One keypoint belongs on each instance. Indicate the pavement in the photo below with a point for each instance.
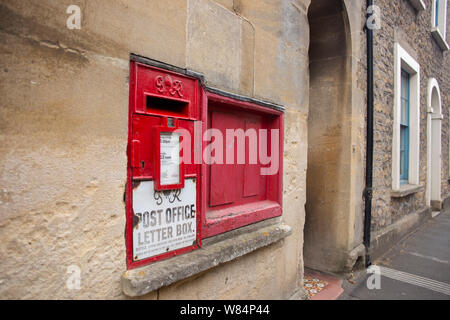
(416, 268)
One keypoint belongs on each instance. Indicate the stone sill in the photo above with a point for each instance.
(214, 251)
(406, 190)
(439, 39)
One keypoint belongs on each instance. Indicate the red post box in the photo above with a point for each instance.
(163, 190)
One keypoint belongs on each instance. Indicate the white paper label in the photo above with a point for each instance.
(165, 221)
(170, 158)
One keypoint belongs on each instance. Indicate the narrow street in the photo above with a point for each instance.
(416, 268)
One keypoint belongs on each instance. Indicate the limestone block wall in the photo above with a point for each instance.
(63, 134)
(336, 135)
(411, 29)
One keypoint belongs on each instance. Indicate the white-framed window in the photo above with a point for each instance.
(418, 4)
(439, 22)
(405, 143)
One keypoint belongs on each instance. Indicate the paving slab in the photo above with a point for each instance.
(423, 261)
(389, 290)
(411, 262)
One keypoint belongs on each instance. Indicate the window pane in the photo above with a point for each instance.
(436, 22)
(404, 153)
(404, 118)
(405, 80)
(402, 138)
(402, 163)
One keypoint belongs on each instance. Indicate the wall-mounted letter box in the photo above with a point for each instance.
(201, 162)
(163, 189)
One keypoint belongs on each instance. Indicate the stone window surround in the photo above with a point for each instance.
(404, 61)
(439, 32)
(418, 4)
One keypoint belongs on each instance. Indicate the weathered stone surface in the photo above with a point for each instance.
(280, 52)
(109, 28)
(143, 280)
(213, 27)
(247, 58)
(300, 295)
(229, 4)
(335, 177)
(64, 125)
(401, 23)
(63, 140)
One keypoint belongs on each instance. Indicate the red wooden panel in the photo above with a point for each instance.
(223, 180)
(253, 212)
(256, 197)
(252, 177)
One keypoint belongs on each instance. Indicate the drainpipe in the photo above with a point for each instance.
(369, 140)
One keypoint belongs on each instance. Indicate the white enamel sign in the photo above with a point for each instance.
(165, 220)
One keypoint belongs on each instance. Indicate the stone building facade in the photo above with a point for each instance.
(64, 131)
(336, 136)
(398, 210)
(64, 121)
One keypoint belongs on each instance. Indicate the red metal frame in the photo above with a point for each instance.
(223, 220)
(142, 84)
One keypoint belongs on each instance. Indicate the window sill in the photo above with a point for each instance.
(418, 4)
(214, 251)
(439, 39)
(220, 221)
(406, 190)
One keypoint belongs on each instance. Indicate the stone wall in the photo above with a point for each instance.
(63, 132)
(401, 23)
(336, 135)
